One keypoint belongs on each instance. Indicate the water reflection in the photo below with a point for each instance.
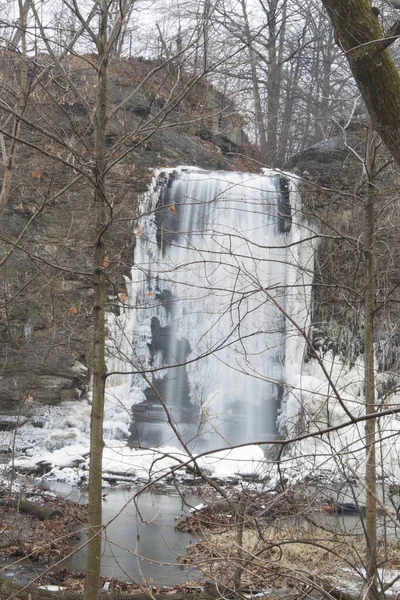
(141, 542)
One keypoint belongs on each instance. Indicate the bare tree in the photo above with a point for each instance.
(95, 159)
(360, 36)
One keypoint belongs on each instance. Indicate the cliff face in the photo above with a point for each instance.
(159, 118)
(334, 192)
(46, 229)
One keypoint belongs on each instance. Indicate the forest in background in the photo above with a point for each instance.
(278, 60)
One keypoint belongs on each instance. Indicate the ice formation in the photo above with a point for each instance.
(209, 341)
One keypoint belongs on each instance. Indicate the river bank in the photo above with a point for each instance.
(251, 542)
(44, 537)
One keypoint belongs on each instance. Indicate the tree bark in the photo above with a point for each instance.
(360, 36)
(369, 377)
(358, 33)
(96, 422)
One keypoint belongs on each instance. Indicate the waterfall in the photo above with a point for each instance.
(209, 348)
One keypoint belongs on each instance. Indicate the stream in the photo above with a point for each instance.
(141, 542)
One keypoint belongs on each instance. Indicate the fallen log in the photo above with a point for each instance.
(41, 512)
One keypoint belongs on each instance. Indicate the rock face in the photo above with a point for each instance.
(47, 226)
(157, 119)
(334, 193)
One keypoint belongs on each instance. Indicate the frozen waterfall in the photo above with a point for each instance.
(212, 353)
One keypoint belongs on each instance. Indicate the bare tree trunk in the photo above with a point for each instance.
(124, 31)
(206, 35)
(21, 29)
(360, 36)
(240, 518)
(96, 423)
(327, 59)
(20, 108)
(369, 377)
(312, 99)
(287, 94)
(273, 88)
(256, 88)
(288, 112)
(358, 33)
